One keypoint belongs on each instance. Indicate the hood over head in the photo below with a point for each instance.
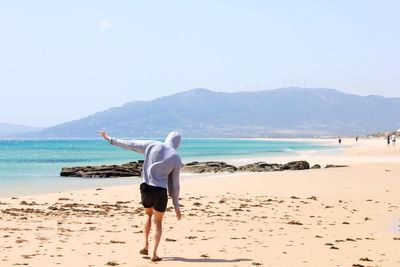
(173, 139)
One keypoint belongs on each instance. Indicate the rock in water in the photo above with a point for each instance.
(104, 171)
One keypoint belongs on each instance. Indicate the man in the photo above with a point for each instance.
(160, 171)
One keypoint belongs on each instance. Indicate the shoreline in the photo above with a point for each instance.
(55, 183)
(348, 153)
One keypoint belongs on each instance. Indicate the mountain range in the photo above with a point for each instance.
(287, 112)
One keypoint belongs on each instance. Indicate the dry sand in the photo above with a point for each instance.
(324, 217)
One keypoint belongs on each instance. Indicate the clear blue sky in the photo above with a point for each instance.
(62, 60)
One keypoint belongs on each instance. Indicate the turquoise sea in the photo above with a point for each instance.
(33, 166)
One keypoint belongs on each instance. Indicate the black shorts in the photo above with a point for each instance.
(154, 197)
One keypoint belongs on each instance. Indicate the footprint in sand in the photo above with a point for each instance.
(112, 263)
(365, 259)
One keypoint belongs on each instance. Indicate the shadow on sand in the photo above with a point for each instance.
(205, 260)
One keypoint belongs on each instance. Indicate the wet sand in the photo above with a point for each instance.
(324, 217)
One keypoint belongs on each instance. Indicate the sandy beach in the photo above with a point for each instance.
(346, 216)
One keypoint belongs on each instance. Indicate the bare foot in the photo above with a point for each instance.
(144, 251)
(155, 258)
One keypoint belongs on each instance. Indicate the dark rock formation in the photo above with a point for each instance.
(316, 166)
(208, 166)
(213, 166)
(335, 166)
(135, 168)
(296, 165)
(272, 167)
(260, 167)
(104, 171)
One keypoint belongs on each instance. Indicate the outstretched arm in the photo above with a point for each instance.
(135, 145)
(104, 135)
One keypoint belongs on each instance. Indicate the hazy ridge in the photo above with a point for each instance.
(8, 129)
(204, 113)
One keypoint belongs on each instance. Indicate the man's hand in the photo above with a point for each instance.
(103, 134)
(178, 214)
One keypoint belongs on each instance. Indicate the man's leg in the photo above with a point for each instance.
(158, 216)
(146, 229)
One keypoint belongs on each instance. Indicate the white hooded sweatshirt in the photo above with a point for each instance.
(161, 166)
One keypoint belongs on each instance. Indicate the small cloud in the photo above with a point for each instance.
(104, 24)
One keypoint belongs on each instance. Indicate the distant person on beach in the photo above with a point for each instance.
(388, 140)
(356, 139)
(394, 140)
(340, 141)
(160, 171)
